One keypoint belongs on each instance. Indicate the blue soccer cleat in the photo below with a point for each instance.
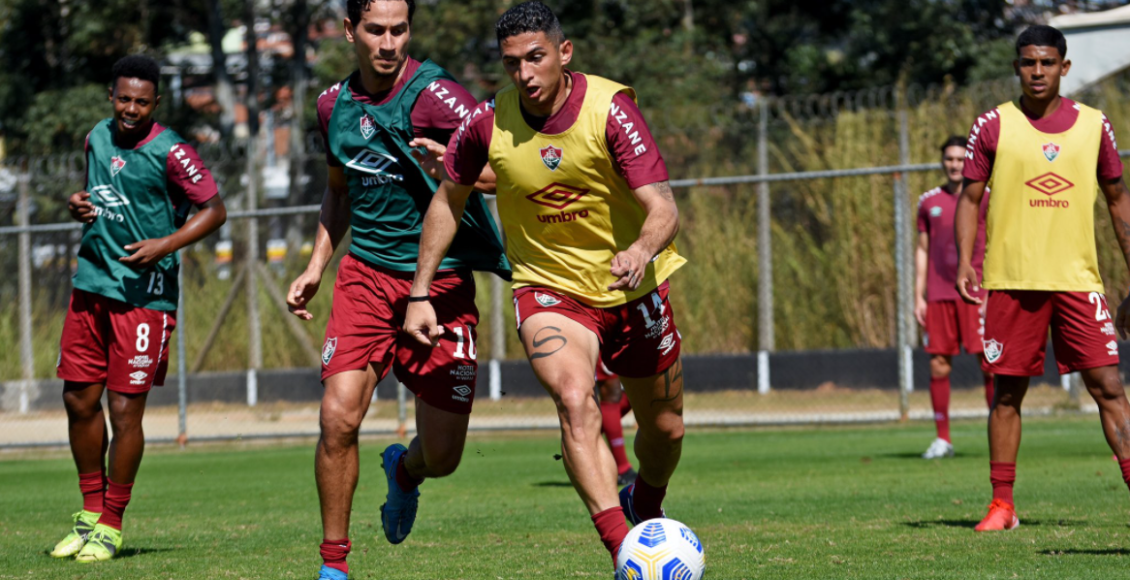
(398, 513)
(327, 573)
(628, 505)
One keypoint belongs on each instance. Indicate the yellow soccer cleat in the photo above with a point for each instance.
(74, 541)
(104, 543)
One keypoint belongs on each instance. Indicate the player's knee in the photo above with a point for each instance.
(339, 423)
(940, 367)
(79, 407)
(573, 400)
(444, 465)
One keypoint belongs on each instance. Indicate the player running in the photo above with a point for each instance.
(378, 189)
(1044, 157)
(613, 406)
(589, 220)
(948, 321)
(141, 181)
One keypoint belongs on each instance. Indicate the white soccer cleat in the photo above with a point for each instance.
(938, 449)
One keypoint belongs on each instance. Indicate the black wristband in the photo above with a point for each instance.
(419, 298)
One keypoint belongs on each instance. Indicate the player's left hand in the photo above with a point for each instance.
(431, 159)
(1122, 318)
(629, 267)
(146, 253)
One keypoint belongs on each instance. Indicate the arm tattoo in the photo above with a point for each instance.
(672, 377)
(664, 189)
(1123, 231)
(538, 342)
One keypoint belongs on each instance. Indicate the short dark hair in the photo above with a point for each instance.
(354, 8)
(1042, 35)
(531, 16)
(953, 141)
(137, 66)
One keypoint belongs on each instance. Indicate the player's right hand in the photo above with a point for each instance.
(420, 323)
(301, 292)
(920, 311)
(81, 209)
(967, 284)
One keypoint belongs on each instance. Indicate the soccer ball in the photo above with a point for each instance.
(660, 549)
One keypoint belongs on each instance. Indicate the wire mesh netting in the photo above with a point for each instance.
(836, 307)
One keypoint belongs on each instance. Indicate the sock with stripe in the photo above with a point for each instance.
(334, 553)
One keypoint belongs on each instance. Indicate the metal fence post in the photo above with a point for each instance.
(27, 354)
(765, 334)
(902, 261)
(255, 353)
(182, 362)
(497, 325)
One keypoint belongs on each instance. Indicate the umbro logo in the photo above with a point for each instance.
(461, 393)
(108, 196)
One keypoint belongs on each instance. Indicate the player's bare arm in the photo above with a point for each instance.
(1118, 203)
(431, 160)
(440, 224)
(659, 230)
(333, 222)
(80, 208)
(965, 233)
(921, 262)
(210, 216)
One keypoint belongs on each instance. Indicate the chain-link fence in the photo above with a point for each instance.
(795, 306)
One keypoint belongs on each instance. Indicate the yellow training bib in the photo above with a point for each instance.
(565, 209)
(1040, 225)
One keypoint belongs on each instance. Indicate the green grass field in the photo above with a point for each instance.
(779, 503)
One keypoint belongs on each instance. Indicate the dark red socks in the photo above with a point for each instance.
(940, 398)
(612, 528)
(93, 487)
(1002, 475)
(117, 498)
(403, 478)
(1125, 465)
(334, 553)
(647, 500)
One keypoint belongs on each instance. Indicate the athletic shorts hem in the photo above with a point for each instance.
(998, 371)
(1089, 364)
(675, 359)
(89, 380)
(946, 352)
(130, 389)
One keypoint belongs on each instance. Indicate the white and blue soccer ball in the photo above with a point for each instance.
(660, 549)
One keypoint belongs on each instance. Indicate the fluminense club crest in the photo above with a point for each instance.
(367, 127)
(116, 165)
(328, 350)
(1051, 151)
(551, 157)
(546, 299)
(993, 349)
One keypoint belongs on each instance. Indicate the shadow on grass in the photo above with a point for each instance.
(918, 456)
(942, 524)
(552, 484)
(921, 524)
(1107, 552)
(129, 552)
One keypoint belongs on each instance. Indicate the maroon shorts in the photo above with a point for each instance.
(1016, 332)
(113, 343)
(637, 339)
(952, 324)
(365, 328)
